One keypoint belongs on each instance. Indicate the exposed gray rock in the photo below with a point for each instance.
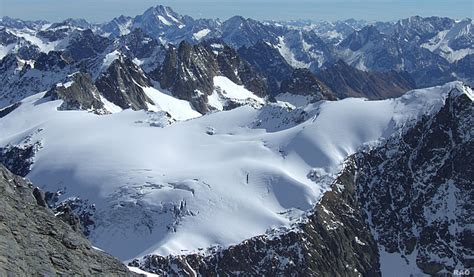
(188, 72)
(20, 158)
(78, 94)
(4, 112)
(346, 81)
(304, 82)
(33, 242)
(122, 85)
(418, 191)
(268, 61)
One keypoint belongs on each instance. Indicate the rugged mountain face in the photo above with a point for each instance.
(122, 84)
(454, 42)
(22, 78)
(432, 50)
(85, 44)
(119, 86)
(330, 32)
(417, 190)
(20, 24)
(346, 81)
(303, 82)
(159, 20)
(402, 203)
(143, 49)
(189, 70)
(78, 94)
(118, 26)
(464, 69)
(424, 47)
(267, 60)
(34, 241)
(420, 28)
(238, 31)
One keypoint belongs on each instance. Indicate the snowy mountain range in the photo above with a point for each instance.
(206, 147)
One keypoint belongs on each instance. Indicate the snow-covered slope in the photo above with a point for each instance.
(181, 188)
(455, 43)
(178, 109)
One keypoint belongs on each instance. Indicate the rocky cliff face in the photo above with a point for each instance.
(21, 79)
(346, 81)
(410, 45)
(409, 197)
(303, 82)
(78, 94)
(188, 72)
(85, 44)
(267, 60)
(417, 190)
(122, 85)
(35, 242)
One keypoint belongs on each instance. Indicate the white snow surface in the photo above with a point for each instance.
(293, 99)
(164, 20)
(43, 45)
(5, 50)
(288, 55)
(183, 188)
(109, 59)
(201, 34)
(143, 273)
(233, 91)
(178, 109)
(440, 43)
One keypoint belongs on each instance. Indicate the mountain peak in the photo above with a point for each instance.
(358, 39)
(166, 12)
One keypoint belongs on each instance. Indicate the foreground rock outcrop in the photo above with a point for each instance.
(33, 242)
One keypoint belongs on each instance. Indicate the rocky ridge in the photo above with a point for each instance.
(33, 241)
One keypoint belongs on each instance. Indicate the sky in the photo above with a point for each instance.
(104, 10)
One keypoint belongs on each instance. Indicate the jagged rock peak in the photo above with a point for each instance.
(188, 71)
(79, 93)
(122, 84)
(358, 39)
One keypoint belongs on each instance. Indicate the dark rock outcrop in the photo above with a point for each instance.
(19, 158)
(78, 94)
(269, 62)
(304, 82)
(85, 44)
(464, 69)
(399, 49)
(417, 189)
(34, 242)
(188, 72)
(122, 85)
(4, 112)
(347, 81)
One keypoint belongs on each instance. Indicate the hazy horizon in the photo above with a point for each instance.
(370, 10)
